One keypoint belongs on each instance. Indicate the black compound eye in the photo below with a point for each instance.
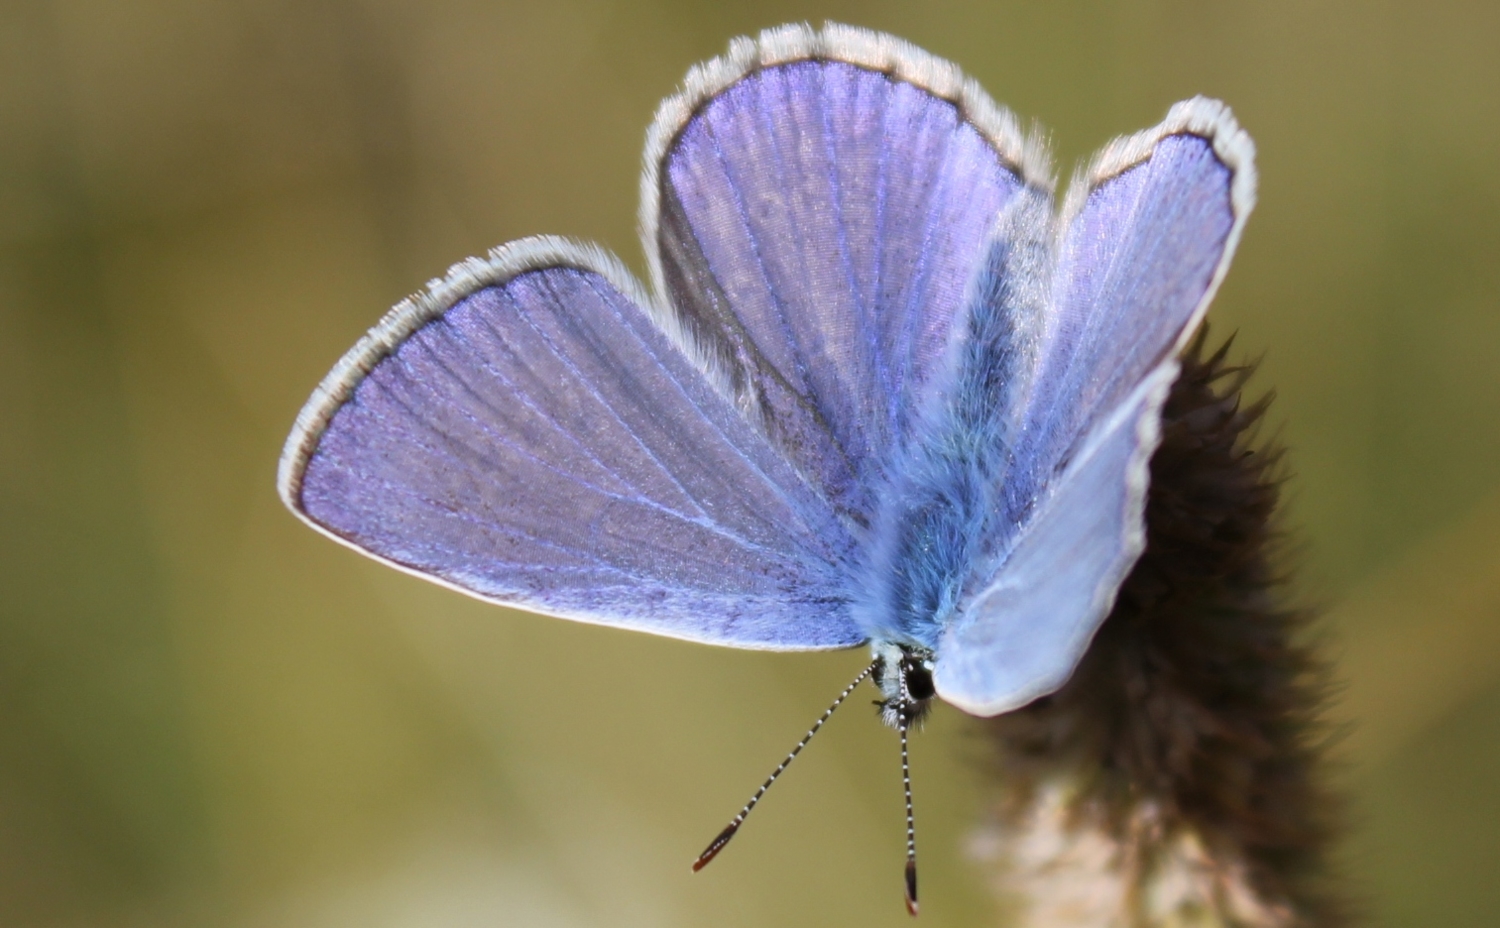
(919, 682)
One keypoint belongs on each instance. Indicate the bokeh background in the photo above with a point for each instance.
(211, 716)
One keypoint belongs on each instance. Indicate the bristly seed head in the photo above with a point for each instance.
(1190, 739)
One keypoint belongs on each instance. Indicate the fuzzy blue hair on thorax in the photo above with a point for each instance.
(940, 516)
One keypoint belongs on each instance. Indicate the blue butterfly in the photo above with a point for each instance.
(879, 390)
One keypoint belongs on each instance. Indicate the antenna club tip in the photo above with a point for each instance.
(911, 888)
(715, 847)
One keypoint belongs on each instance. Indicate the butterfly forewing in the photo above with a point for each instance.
(540, 442)
(1024, 632)
(845, 354)
(1146, 241)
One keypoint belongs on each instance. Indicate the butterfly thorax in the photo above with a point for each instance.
(904, 675)
(938, 517)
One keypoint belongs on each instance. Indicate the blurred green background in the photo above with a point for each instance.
(211, 716)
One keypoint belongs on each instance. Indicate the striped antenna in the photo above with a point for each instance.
(911, 822)
(718, 843)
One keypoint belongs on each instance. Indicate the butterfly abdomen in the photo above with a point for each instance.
(937, 519)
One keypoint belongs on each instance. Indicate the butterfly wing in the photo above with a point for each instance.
(1022, 635)
(524, 432)
(1151, 233)
(815, 204)
(1148, 235)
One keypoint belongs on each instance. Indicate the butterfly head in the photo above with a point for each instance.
(904, 674)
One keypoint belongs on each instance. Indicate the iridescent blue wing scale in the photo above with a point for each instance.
(708, 463)
(538, 433)
(1147, 237)
(527, 434)
(1021, 637)
(819, 205)
(1145, 248)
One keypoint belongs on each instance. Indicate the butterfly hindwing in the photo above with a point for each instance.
(820, 204)
(1146, 239)
(1147, 235)
(874, 392)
